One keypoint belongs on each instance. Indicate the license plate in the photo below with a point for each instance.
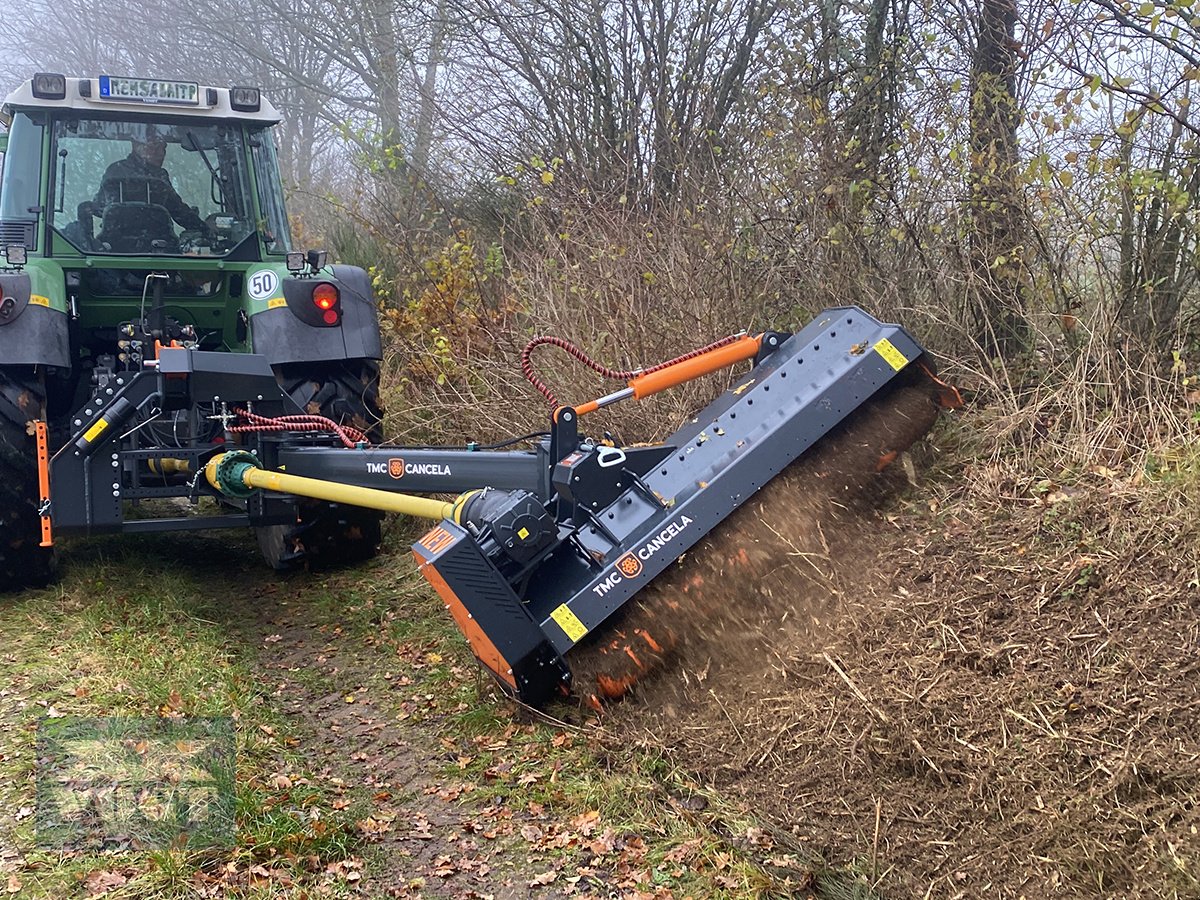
(149, 90)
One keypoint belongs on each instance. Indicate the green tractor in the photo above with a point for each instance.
(138, 214)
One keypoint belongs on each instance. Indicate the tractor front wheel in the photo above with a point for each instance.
(23, 562)
(327, 534)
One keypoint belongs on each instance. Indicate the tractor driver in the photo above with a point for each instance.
(141, 178)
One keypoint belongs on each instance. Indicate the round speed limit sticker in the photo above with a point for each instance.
(263, 284)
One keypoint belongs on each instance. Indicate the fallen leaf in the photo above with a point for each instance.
(372, 826)
(587, 822)
(544, 879)
(605, 843)
(101, 882)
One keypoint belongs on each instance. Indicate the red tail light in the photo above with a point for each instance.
(325, 297)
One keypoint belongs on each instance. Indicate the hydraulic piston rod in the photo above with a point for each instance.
(237, 474)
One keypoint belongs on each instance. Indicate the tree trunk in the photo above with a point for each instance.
(423, 142)
(996, 210)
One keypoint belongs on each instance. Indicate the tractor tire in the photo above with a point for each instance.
(23, 562)
(327, 534)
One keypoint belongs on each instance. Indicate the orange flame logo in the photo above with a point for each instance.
(629, 566)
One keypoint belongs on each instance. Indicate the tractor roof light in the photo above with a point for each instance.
(16, 254)
(245, 99)
(49, 86)
(295, 261)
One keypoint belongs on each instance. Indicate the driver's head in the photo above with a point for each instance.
(153, 150)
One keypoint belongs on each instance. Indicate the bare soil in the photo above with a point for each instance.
(988, 694)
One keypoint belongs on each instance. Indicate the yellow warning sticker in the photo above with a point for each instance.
(39, 300)
(891, 355)
(569, 623)
(96, 430)
(276, 302)
(523, 533)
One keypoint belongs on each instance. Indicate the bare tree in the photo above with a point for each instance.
(998, 236)
(638, 95)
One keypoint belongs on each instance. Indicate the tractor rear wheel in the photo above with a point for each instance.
(23, 562)
(329, 533)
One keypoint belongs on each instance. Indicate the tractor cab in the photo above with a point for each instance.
(124, 167)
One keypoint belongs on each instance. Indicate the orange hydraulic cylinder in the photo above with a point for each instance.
(714, 360)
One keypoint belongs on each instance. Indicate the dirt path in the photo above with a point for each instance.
(427, 838)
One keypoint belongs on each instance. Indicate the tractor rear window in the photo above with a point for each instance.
(277, 235)
(141, 188)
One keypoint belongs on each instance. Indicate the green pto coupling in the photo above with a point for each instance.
(228, 471)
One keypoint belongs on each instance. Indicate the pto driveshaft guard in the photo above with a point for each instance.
(522, 619)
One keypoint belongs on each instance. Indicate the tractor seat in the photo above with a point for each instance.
(137, 228)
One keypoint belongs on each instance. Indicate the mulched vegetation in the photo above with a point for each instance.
(989, 689)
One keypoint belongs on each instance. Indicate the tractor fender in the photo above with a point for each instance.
(32, 332)
(282, 336)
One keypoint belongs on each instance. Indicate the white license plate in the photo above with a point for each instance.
(149, 90)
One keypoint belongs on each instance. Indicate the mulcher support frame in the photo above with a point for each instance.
(102, 465)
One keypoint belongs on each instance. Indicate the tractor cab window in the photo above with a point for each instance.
(276, 234)
(21, 181)
(142, 188)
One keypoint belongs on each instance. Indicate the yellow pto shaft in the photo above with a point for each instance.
(237, 474)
